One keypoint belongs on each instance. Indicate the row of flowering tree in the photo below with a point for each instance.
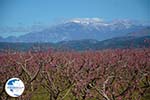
(121, 74)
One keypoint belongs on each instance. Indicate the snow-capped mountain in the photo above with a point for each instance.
(81, 28)
(86, 21)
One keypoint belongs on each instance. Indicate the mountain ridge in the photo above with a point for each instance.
(78, 29)
(81, 45)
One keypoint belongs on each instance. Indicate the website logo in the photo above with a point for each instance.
(14, 87)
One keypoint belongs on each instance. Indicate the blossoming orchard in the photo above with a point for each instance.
(119, 74)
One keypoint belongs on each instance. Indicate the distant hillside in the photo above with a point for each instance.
(124, 42)
(143, 32)
(81, 45)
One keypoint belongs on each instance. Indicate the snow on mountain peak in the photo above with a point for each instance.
(86, 20)
(127, 23)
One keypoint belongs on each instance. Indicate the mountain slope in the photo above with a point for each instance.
(124, 42)
(81, 45)
(143, 32)
(79, 29)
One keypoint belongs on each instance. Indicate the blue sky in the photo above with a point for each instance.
(27, 13)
